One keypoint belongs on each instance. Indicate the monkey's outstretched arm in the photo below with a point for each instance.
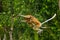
(23, 20)
(21, 15)
(48, 19)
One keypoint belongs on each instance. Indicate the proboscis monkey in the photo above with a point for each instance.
(34, 22)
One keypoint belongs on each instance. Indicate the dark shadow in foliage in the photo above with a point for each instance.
(1, 8)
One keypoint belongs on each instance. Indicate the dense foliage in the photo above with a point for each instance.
(41, 9)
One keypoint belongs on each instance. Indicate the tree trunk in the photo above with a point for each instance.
(10, 33)
(0, 38)
(35, 35)
(4, 37)
(59, 4)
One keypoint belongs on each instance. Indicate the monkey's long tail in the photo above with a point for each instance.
(48, 19)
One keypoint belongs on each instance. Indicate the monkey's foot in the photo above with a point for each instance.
(40, 31)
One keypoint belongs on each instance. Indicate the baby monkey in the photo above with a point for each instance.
(34, 22)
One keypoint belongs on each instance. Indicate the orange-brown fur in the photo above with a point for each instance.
(32, 21)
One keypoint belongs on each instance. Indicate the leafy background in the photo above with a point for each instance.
(41, 9)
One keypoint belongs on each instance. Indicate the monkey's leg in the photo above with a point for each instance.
(38, 30)
(43, 27)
